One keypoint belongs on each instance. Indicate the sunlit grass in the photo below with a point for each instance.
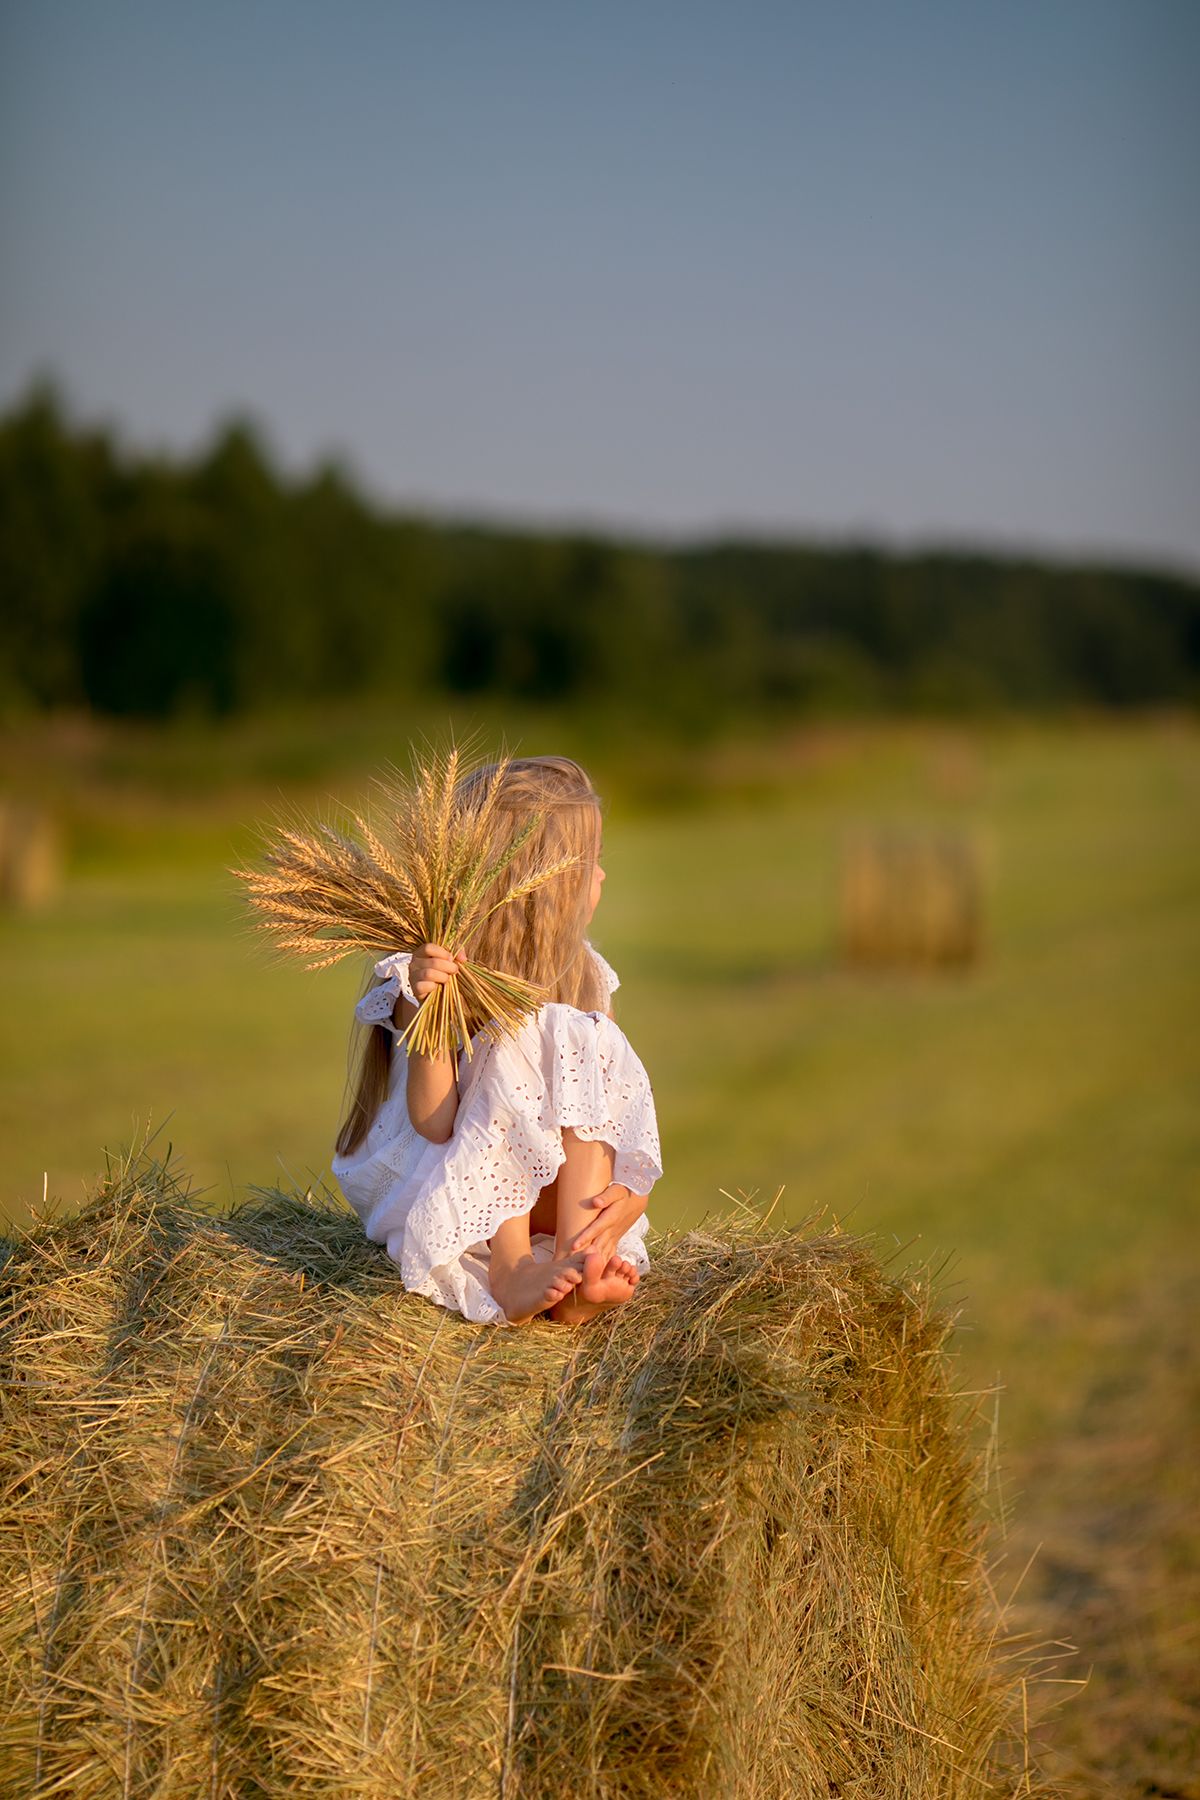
(1032, 1117)
(1032, 1121)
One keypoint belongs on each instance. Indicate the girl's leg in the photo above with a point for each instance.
(586, 1170)
(607, 1281)
(523, 1286)
(544, 1216)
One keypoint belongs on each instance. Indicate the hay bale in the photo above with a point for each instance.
(275, 1527)
(910, 896)
(30, 854)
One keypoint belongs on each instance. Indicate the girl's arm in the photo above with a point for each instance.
(432, 1090)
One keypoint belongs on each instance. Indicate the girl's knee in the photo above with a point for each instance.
(578, 1150)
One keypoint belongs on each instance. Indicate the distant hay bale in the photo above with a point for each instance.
(275, 1527)
(30, 854)
(910, 896)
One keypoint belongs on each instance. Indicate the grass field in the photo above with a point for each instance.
(1032, 1124)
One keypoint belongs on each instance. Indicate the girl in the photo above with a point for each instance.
(514, 1182)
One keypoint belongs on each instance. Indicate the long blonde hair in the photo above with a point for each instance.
(539, 937)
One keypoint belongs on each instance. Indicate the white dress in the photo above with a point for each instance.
(435, 1205)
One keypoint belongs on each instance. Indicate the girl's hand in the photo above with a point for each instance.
(616, 1209)
(431, 967)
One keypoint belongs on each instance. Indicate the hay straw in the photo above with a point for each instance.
(274, 1526)
(421, 875)
(910, 895)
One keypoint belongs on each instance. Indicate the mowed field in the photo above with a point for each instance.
(1030, 1127)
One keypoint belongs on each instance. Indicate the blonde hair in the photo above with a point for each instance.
(541, 935)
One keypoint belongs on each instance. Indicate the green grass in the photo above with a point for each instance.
(1043, 1101)
(1031, 1124)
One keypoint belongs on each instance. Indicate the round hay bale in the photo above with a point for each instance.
(274, 1526)
(910, 896)
(30, 854)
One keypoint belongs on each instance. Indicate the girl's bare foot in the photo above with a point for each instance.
(531, 1287)
(606, 1280)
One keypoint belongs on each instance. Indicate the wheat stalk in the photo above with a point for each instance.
(418, 877)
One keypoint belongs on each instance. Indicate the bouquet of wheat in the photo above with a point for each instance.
(423, 877)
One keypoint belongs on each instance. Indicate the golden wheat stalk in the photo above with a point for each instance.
(420, 876)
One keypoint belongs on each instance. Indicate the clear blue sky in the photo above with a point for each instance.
(918, 272)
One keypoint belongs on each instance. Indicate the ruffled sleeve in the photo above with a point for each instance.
(611, 979)
(563, 1067)
(378, 1003)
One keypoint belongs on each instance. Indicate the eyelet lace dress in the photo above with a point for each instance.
(435, 1205)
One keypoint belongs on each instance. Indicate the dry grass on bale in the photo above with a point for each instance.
(273, 1526)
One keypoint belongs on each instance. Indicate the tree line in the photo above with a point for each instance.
(147, 585)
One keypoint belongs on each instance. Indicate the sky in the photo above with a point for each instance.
(916, 274)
